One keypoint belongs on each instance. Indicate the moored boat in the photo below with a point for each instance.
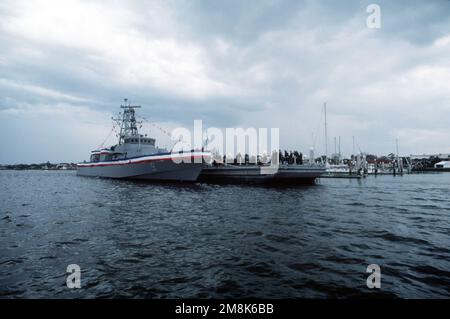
(136, 156)
(266, 174)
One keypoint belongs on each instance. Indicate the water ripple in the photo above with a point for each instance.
(141, 240)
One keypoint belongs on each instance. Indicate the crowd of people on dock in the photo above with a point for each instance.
(284, 157)
(294, 157)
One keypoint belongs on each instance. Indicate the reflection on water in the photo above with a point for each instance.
(134, 239)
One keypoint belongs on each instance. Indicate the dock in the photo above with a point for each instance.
(265, 174)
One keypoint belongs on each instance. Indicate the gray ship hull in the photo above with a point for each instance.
(234, 174)
(286, 174)
(155, 170)
(299, 174)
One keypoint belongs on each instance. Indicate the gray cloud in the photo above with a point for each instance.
(65, 67)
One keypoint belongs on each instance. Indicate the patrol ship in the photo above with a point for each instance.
(135, 156)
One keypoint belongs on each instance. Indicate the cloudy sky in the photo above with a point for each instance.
(65, 66)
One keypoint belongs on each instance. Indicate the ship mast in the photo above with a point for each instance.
(326, 132)
(128, 125)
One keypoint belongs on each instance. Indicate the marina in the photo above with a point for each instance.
(136, 156)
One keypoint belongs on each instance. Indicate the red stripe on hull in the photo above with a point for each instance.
(141, 162)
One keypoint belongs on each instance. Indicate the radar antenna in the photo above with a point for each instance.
(128, 124)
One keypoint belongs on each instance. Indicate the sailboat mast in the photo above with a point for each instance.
(397, 158)
(353, 138)
(339, 150)
(335, 147)
(326, 132)
(396, 146)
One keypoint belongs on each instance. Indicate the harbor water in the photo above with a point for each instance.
(144, 240)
